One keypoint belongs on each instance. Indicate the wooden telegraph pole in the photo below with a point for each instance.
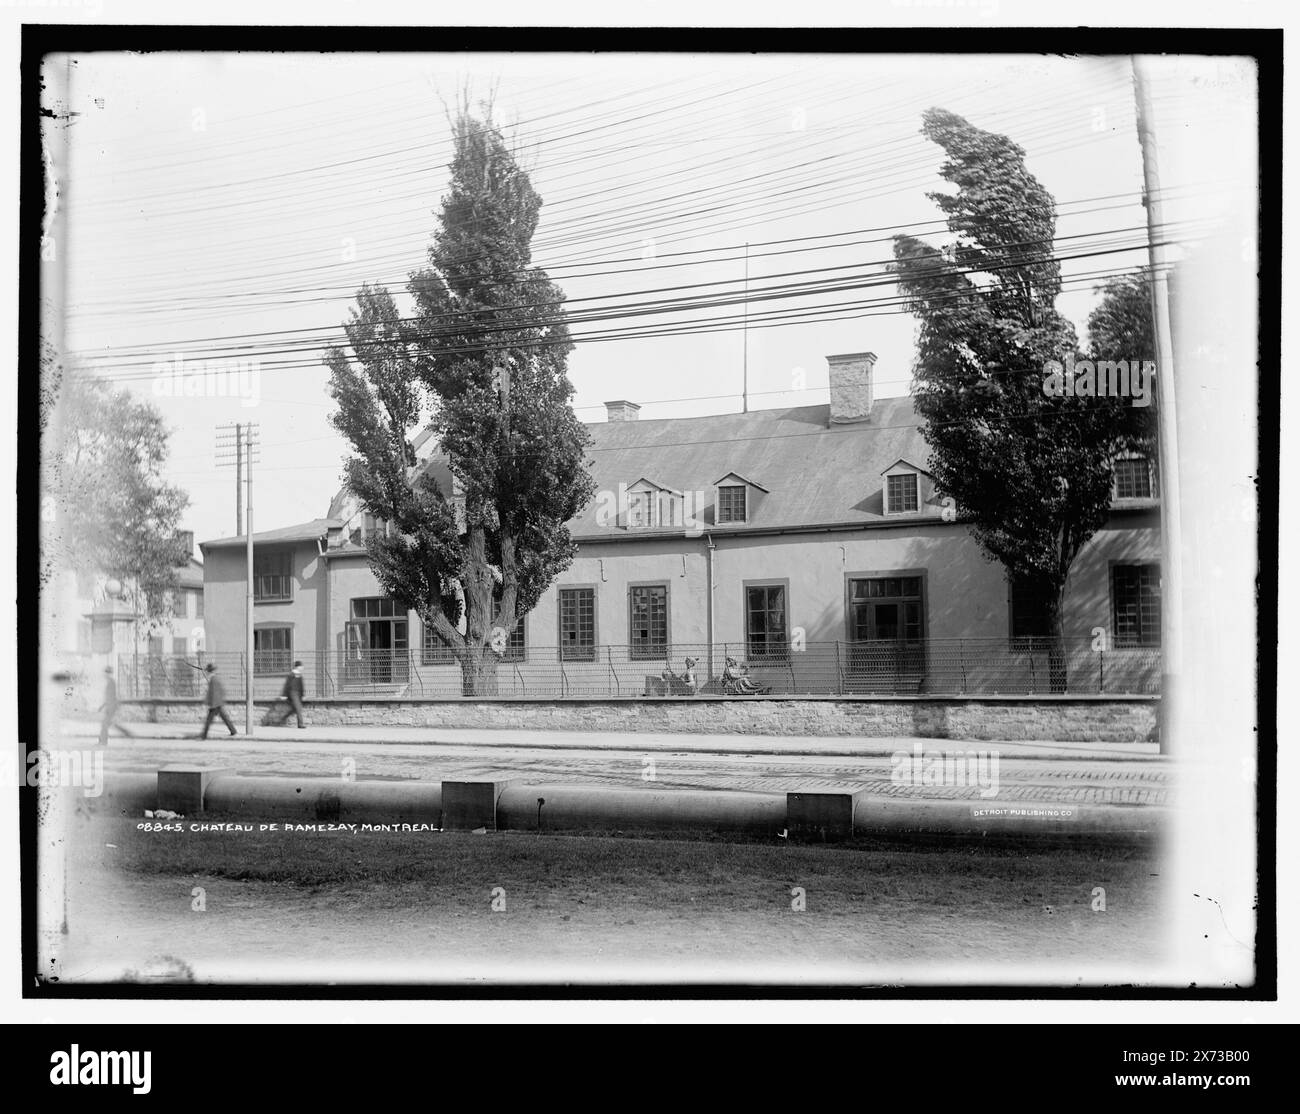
(237, 444)
(1171, 562)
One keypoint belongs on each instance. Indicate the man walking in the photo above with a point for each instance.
(109, 708)
(216, 701)
(292, 693)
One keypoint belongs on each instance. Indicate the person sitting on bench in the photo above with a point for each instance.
(683, 684)
(736, 681)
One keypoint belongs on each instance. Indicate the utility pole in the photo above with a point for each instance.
(237, 444)
(1171, 562)
(248, 595)
(239, 481)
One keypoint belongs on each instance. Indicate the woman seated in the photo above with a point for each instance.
(683, 684)
(736, 680)
(687, 679)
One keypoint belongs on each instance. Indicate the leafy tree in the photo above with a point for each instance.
(486, 352)
(1030, 470)
(113, 512)
(1121, 327)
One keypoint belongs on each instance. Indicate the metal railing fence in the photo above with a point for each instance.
(938, 667)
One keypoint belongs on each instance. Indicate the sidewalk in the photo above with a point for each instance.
(514, 738)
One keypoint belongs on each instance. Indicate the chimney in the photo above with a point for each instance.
(851, 386)
(620, 410)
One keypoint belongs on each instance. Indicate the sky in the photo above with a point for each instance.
(226, 208)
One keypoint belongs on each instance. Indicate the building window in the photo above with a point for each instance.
(198, 603)
(377, 650)
(731, 503)
(577, 624)
(1135, 603)
(516, 642)
(84, 631)
(765, 621)
(640, 508)
(1031, 602)
(886, 625)
(273, 576)
(377, 607)
(647, 624)
(373, 526)
(156, 646)
(901, 494)
(885, 608)
(179, 647)
(272, 650)
(1133, 478)
(432, 651)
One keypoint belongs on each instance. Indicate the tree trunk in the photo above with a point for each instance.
(478, 672)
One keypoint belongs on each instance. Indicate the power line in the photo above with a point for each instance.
(628, 310)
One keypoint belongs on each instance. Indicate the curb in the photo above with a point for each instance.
(867, 751)
(516, 806)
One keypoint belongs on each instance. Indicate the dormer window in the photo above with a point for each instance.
(372, 526)
(640, 508)
(736, 499)
(1132, 478)
(650, 505)
(731, 503)
(902, 494)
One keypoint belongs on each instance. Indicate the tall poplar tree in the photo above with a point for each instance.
(486, 352)
(1029, 470)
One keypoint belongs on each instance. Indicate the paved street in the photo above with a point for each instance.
(1116, 774)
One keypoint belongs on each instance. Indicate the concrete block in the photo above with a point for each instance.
(559, 807)
(467, 805)
(328, 800)
(819, 815)
(181, 788)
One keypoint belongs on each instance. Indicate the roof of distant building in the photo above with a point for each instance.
(190, 574)
(303, 532)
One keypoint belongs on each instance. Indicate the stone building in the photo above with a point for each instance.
(808, 541)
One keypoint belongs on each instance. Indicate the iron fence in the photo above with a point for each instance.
(938, 667)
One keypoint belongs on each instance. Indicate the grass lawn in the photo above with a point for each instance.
(516, 907)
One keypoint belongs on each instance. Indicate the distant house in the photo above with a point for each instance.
(106, 621)
(802, 540)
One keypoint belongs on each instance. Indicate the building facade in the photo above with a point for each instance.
(107, 621)
(809, 542)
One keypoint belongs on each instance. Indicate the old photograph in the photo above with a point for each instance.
(650, 516)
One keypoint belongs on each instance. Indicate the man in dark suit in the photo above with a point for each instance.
(292, 693)
(109, 708)
(216, 701)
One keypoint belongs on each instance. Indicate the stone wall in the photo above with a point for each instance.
(1108, 719)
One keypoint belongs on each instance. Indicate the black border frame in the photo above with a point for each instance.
(1263, 44)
